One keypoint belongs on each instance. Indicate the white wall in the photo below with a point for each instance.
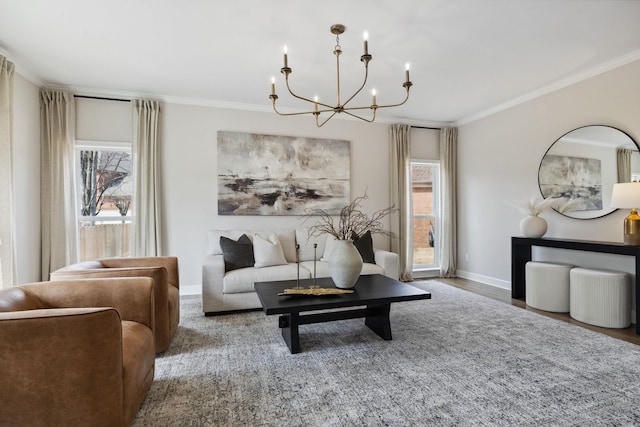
(188, 139)
(26, 175)
(425, 144)
(498, 159)
(189, 163)
(104, 120)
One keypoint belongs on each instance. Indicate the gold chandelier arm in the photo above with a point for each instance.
(366, 76)
(288, 114)
(362, 118)
(325, 120)
(394, 105)
(305, 99)
(328, 110)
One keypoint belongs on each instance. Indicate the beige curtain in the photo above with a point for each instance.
(448, 234)
(7, 258)
(623, 157)
(146, 203)
(400, 180)
(58, 208)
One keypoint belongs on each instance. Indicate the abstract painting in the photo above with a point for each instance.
(574, 179)
(281, 175)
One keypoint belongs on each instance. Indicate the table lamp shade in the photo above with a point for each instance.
(627, 195)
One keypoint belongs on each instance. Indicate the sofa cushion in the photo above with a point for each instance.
(306, 243)
(364, 244)
(214, 239)
(328, 248)
(368, 268)
(267, 251)
(242, 280)
(237, 254)
(287, 239)
(322, 268)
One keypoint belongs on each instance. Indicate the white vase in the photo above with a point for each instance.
(345, 264)
(533, 226)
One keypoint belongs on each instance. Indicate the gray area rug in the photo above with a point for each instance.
(459, 359)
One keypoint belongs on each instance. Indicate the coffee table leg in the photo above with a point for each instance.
(289, 325)
(378, 320)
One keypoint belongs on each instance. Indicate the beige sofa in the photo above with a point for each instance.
(163, 271)
(76, 353)
(224, 291)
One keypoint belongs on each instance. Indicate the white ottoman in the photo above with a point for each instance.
(600, 297)
(547, 286)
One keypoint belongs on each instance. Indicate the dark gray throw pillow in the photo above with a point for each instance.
(364, 244)
(237, 254)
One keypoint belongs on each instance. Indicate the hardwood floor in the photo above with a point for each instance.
(627, 334)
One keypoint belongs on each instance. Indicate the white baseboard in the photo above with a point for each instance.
(503, 284)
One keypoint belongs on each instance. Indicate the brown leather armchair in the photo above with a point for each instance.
(74, 353)
(163, 271)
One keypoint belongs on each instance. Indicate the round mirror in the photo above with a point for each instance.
(580, 168)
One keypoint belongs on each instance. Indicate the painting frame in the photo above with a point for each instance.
(261, 174)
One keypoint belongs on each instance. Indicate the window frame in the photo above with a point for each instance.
(436, 213)
(97, 145)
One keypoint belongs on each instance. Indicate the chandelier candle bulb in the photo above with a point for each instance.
(365, 36)
(406, 73)
(373, 95)
(315, 100)
(273, 85)
(286, 58)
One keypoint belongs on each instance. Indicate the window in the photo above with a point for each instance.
(105, 189)
(425, 190)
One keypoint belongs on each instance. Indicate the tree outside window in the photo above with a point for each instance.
(105, 182)
(105, 188)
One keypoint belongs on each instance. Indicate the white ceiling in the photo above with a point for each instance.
(468, 57)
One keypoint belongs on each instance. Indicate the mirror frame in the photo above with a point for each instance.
(606, 210)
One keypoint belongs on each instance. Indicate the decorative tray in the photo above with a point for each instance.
(315, 292)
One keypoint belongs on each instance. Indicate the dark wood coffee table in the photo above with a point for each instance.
(373, 295)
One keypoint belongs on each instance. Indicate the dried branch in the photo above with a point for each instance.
(351, 219)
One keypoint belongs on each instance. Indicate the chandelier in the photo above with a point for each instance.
(339, 107)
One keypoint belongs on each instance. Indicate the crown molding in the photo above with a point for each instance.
(24, 72)
(211, 103)
(202, 102)
(557, 85)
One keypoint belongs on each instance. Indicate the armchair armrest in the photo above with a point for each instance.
(50, 357)
(166, 317)
(133, 298)
(170, 263)
(389, 261)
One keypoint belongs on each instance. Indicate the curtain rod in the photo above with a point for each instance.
(425, 127)
(102, 98)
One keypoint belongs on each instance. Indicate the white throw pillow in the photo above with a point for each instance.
(267, 251)
(306, 242)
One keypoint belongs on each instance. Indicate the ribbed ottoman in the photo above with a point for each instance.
(547, 286)
(600, 297)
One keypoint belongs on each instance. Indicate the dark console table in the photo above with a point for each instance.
(521, 253)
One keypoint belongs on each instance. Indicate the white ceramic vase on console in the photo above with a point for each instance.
(533, 226)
